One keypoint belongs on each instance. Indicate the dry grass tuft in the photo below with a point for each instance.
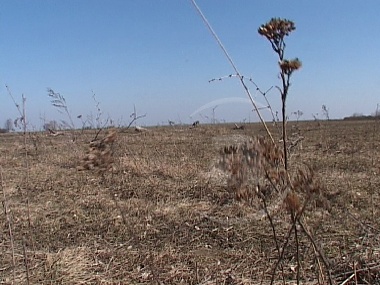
(69, 266)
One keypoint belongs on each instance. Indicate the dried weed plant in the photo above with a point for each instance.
(275, 32)
(59, 101)
(258, 170)
(100, 156)
(257, 176)
(248, 163)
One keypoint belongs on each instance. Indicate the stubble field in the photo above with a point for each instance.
(164, 214)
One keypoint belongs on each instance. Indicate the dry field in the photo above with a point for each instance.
(164, 214)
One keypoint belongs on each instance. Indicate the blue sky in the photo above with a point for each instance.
(159, 56)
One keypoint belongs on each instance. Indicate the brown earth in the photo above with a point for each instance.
(164, 215)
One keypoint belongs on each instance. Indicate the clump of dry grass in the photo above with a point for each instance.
(69, 266)
(100, 156)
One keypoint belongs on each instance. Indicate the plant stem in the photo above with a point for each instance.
(282, 253)
(274, 236)
(26, 159)
(284, 134)
(297, 247)
(317, 248)
(25, 261)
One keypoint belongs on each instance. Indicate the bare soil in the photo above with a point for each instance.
(163, 214)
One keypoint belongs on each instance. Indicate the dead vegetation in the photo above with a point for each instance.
(101, 154)
(163, 214)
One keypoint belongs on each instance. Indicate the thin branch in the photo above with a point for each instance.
(241, 78)
(274, 234)
(297, 249)
(14, 101)
(281, 256)
(99, 130)
(25, 261)
(26, 160)
(134, 117)
(320, 252)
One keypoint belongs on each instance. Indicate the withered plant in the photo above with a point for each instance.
(258, 171)
(100, 156)
(275, 32)
(9, 223)
(134, 117)
(257, 176)
(23, 123)
(247, 164)
(59, 101)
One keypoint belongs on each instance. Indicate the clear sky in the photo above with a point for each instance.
(159, 56)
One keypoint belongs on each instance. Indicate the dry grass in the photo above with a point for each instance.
(164, 214)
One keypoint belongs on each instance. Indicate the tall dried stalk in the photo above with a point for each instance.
(26, 159)
(25, 261)
(275, 31)
(22, 119)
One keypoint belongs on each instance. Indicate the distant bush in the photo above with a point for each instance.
(52, 125)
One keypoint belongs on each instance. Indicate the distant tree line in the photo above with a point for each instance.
(360, 116)
(8, 126)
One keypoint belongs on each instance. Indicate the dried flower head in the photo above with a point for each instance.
(288, 66)
(276, 29)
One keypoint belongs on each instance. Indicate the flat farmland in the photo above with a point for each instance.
(162, 213)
